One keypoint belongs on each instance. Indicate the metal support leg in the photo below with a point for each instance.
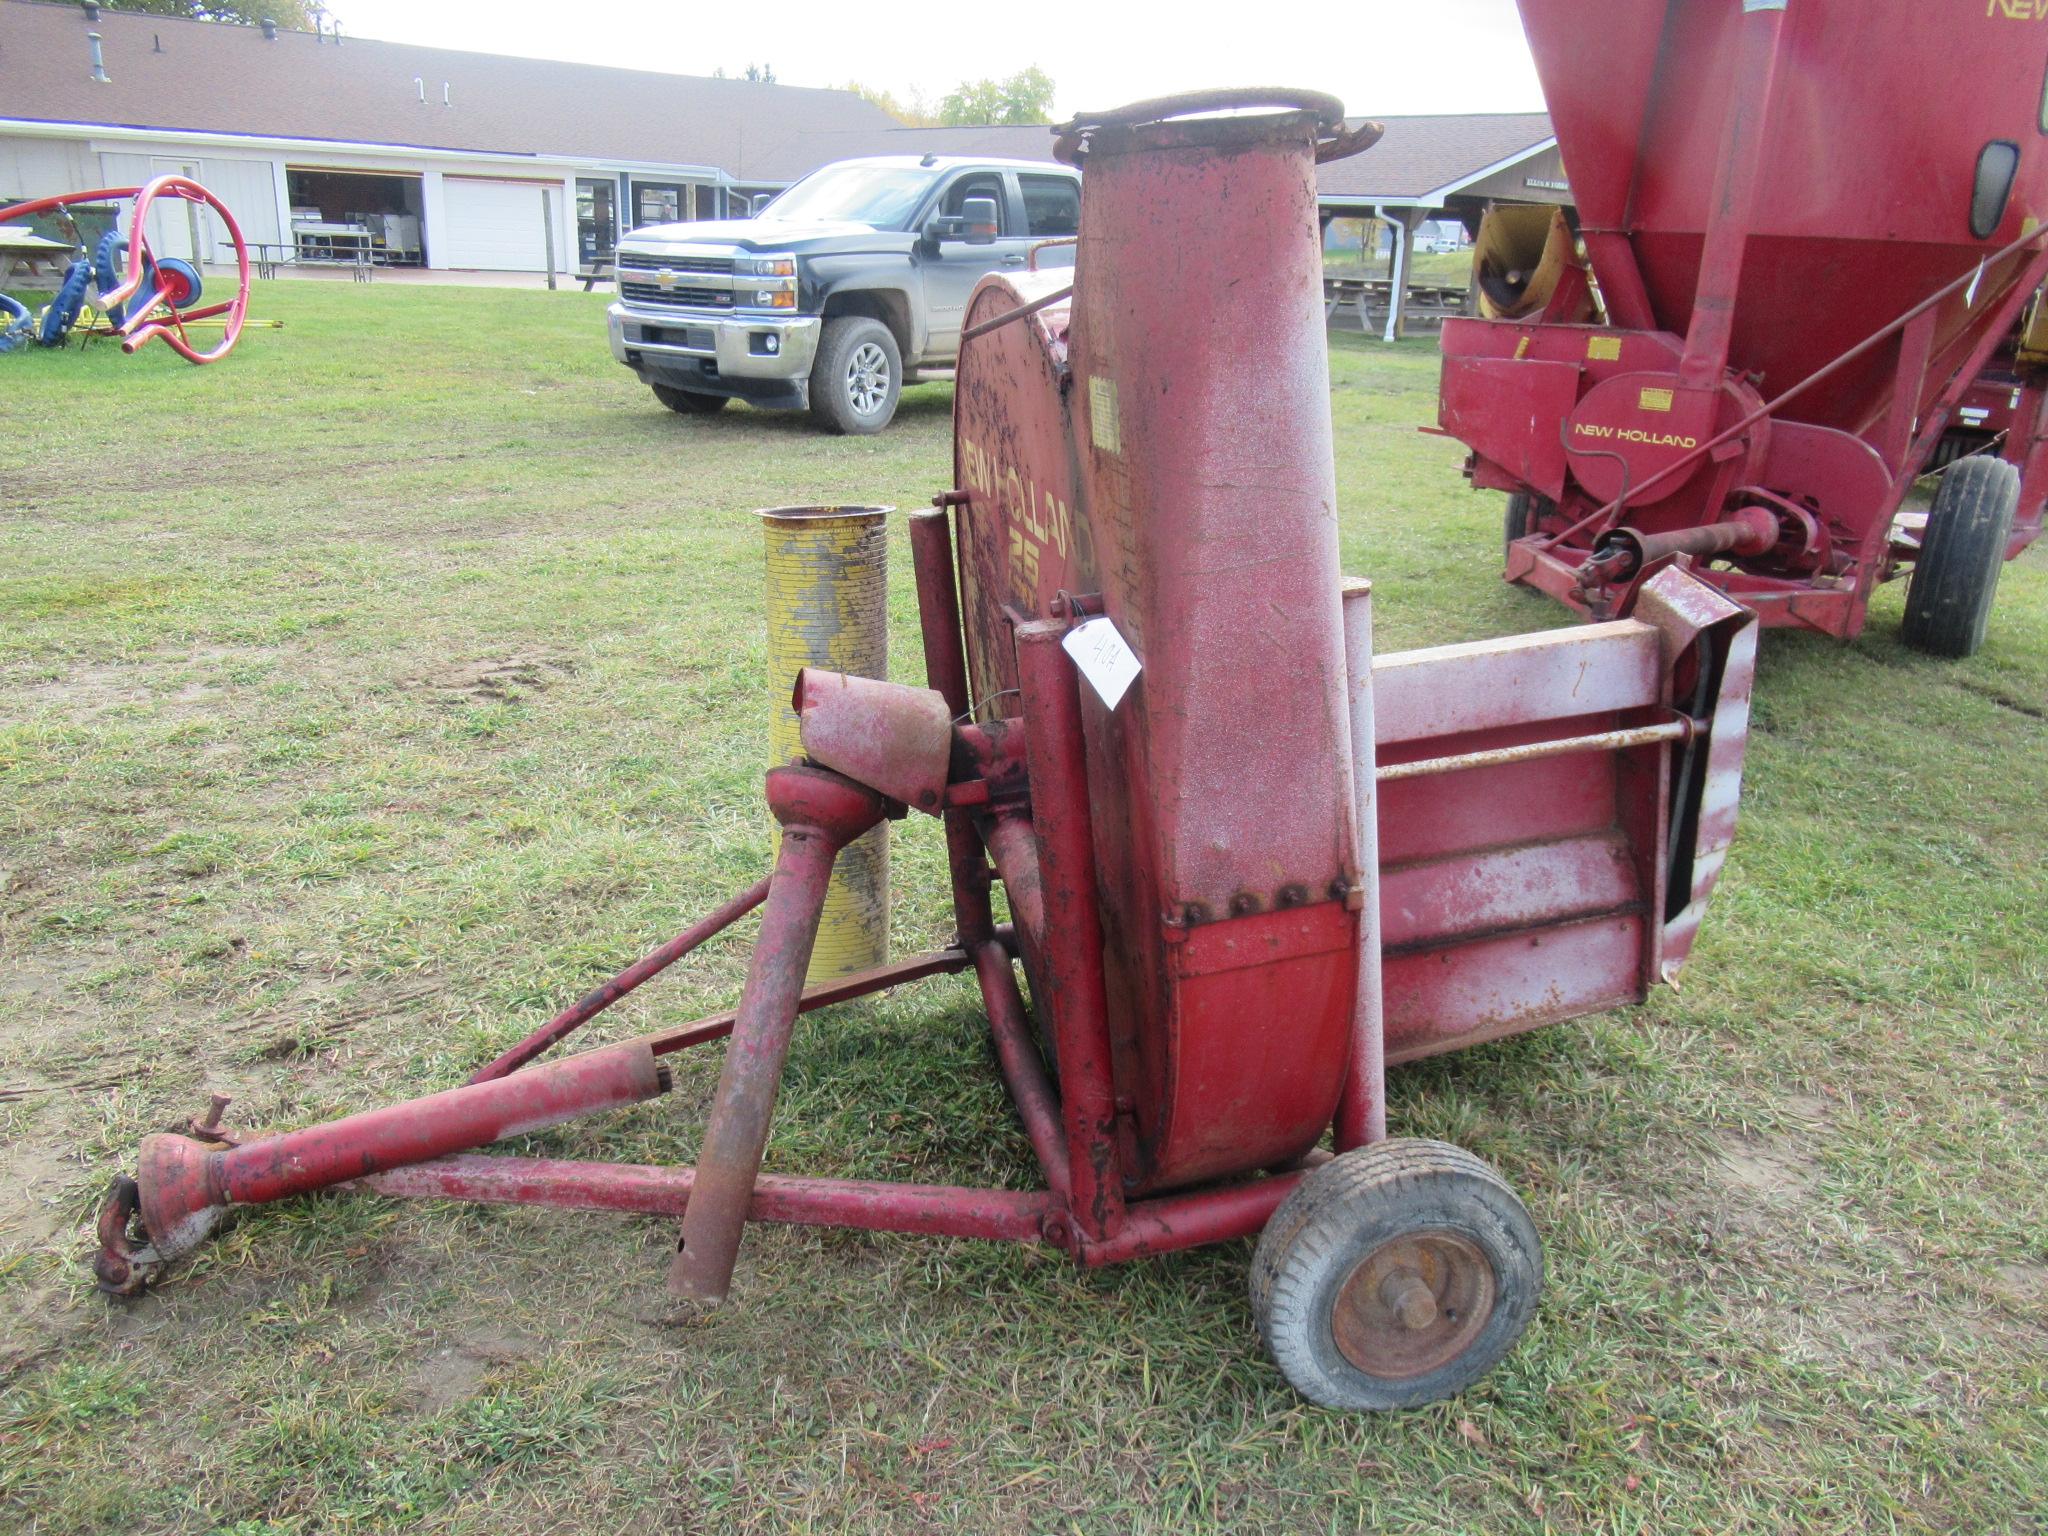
(1072, 947)
(820, 813)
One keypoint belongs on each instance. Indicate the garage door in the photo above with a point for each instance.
(494, 225)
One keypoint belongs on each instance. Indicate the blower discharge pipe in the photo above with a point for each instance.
(1071, 944)
(828, 580)
(1736, 181)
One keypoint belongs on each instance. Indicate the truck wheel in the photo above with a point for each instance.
(687, 403)
(1948, 596)
(858, 376)
(1525, 509)
(1395, 1275)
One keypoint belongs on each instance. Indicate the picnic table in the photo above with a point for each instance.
(268, 255)
(595, 273)
(23, 251)
(1429, 304)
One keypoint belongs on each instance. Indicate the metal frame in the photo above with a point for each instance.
(1219, 990)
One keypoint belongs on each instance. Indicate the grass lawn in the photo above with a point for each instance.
(366, 697)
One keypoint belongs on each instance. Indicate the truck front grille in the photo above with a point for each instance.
(636, 261)
(677, 297)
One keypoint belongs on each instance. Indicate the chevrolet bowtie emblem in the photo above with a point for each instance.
(665, 278)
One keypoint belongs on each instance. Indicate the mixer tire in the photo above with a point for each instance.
(1395, 1275)
(857, 378)
(687, 403)
(1524, 510)
(1948, 596)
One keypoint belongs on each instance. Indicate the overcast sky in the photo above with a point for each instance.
(1380, 56)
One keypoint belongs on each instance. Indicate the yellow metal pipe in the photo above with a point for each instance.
(828, 581)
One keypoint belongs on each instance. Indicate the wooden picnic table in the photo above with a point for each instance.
(1428, 303)
(23, 252)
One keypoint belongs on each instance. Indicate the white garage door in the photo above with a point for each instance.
(494, 225)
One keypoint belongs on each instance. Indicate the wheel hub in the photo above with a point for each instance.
(1413, 1304)
(867, 378)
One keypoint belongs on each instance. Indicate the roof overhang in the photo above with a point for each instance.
(1437, 196)
(123, 133)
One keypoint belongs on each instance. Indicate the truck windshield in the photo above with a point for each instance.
(884, 196)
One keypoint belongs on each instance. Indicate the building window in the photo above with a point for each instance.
(656, 203)
(597, 228)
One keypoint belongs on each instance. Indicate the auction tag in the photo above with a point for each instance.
(1109, 665)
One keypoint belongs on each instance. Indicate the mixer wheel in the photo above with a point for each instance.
(1948, 597)
(1525, 509)
(1395, 1275)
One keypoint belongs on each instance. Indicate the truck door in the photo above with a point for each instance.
(951, 271)
(1052, 211)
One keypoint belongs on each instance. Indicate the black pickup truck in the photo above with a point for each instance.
(847, 286)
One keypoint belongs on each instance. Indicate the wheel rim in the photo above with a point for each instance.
(1414, 1304)
(867, 378)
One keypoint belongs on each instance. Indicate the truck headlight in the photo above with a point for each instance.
(772, 298)
(765, 266)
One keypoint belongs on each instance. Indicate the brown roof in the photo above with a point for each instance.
(219, 78)
(1001, 141)
(1421, 155)
(1415, 157)
(215, 77)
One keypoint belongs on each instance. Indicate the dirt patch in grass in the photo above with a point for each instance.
(498, 678)
(1768, 1167)
(2025, 1285)
(34, 1194)
(457, 1372)
(318, 1017)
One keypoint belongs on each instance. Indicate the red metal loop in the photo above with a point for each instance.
(138, 330)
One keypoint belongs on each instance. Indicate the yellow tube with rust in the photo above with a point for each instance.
(828, 578)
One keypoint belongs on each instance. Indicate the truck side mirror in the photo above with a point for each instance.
(978, 220)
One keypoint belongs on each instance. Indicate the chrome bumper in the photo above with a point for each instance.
(689, 337)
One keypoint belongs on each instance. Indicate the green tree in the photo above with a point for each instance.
(294, 15)
(915, 113)
(1026, 97)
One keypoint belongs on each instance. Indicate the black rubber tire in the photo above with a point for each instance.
(832, 387)
(1339, 1216)
(1948, 596)
(686, 402)
(1957, 443)
(1524, 510)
